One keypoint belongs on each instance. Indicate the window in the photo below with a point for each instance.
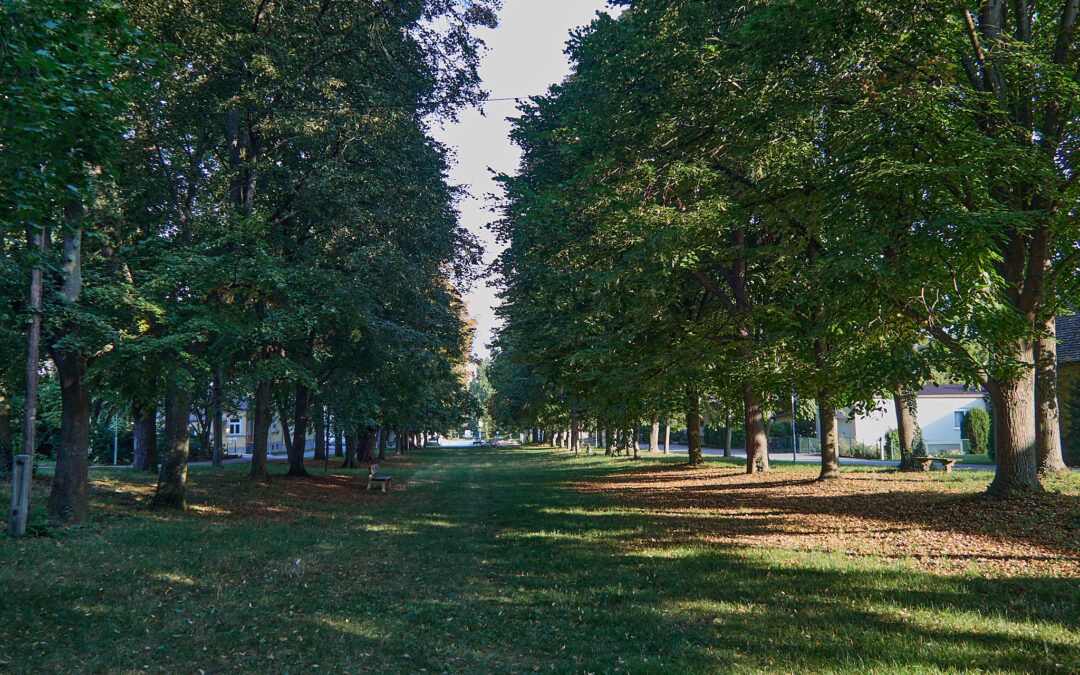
(234, 426)
(958, 419)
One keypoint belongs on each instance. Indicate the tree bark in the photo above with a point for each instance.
(67, 500)
(757, 443)
(632, 441)
(300, 424)
(654, 433)
(7, 455)
(367, 446)
(1014, 432)
(399, 442)
(351, 461)
(727, 434)
(383, 433)
(264, 391)
(172, 477)
(1047, 422)
(907, 426)
(667, 438)
(36, 243)
(574, 431)
(145, 454)
(217, 396)
(693, 432)
(339, 450)
(609, 442)
(830, 450)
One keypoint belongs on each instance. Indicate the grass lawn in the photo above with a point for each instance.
(522, 560)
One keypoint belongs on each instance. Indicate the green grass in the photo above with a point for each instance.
(491, 561)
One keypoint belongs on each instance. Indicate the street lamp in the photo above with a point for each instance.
(794, 437)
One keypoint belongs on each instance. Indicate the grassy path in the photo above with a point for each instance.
(488, 561)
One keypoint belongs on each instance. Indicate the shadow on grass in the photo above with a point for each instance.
(496, 560)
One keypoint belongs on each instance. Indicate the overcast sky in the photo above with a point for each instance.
(525, 56)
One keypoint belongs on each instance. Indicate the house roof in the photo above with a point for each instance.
(950, 390)
(1068, 335)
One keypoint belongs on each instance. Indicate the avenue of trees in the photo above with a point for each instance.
(728, 202)
(224, 201)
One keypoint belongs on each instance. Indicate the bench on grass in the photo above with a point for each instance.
(925, 462)
(378, 480)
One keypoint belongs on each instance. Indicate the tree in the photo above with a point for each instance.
(976, 428)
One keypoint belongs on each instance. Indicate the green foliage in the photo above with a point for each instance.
(892, 445)
(976, 428)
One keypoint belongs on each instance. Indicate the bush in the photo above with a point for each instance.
(892, 444)
(918, 446)
(859, 451)
(976, 428)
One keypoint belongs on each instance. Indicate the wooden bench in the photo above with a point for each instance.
(375, 479)
(945, 462)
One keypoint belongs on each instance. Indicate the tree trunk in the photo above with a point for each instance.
(1014, 433)
(219, 423)
(1047, 423)
(36, 242)
(206, 432)
(367, 446)
(351, 462)
(575, 431)
(654, 433)
(67, 500)
(300, 424)
(693, 432)
(830, 450)
(907, 426)
(7, 454)
(667, 438)
(320, 435)
(383, 433)
(172, 478)
(632, 434)
(286, 434)
(727, 434)
(264, 391)
(399, 442)
(145, 454)
(339, 450)
(757, 444)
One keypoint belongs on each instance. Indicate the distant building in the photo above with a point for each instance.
(941, 410)
(1068, 356)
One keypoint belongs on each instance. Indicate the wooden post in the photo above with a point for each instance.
(20, 494)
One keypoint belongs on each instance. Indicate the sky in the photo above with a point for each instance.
(524, 57)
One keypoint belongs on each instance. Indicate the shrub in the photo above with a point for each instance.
(918, 445)
(892, 444)
(976, 428)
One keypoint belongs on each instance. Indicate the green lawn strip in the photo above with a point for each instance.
(493, 560)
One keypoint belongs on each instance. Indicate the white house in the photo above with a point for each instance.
(941, 409)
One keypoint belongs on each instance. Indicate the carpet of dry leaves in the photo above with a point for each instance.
(931, 521)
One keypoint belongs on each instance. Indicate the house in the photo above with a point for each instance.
(240, 427)
(1068, 357)
(941, 410)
